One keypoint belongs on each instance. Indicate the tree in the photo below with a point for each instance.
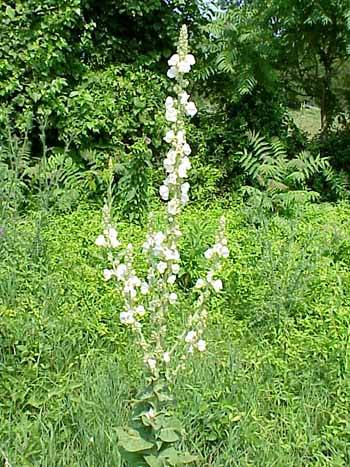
(301, 42)
(312, 42)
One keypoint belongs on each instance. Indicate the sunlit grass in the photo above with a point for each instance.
(307, 119)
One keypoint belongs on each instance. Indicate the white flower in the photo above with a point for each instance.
(184, 97)
(120, 271)
(200, 284)
(180, 136)
(171, 73)
(209, 253)
(173, 60)
(108, 273)
(171, 156)
(173, 206)
(184, 67)
(152, 363)
(217, 285)
(190, 337)
(159, 238)
(100, 241)
(169, 102)
(164, 192)
(166, 357)
(175, 268)
(171, 114)
(161, 267)
(184, 166)
(185, 187)
(184, 198)
(169, 167)
(111, 233)
(201, 345)
(171, 279)
(172, 179)
(144, 288)
(190, 59)
(186, 149)
(169, 136)
(171, 254)
(191, 109)
(126, 317)
(140, 310)
(225, 251)
(172, 298)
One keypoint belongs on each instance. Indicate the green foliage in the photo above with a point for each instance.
(150, 439)
(310, 43)
(68, 367)
(41, 45)
(133, 185)
(281, 182)
(14, 160)
(238, 49)
(113, 106)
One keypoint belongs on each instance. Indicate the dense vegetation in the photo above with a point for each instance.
(82, 92)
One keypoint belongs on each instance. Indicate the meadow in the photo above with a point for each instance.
(273, 388)
(174, 246)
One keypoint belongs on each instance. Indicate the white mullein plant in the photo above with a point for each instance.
(152, 298)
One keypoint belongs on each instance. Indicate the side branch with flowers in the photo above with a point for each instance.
(153, 432)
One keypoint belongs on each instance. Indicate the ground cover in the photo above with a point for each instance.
(273, 388)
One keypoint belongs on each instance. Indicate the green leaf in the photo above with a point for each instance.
(131, 441)
(168, 435)
(153, 461)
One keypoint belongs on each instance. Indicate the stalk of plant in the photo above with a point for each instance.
(153, 433)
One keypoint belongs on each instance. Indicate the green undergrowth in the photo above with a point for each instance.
(272, 389)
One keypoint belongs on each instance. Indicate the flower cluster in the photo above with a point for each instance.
(179, 64)
(157, 293)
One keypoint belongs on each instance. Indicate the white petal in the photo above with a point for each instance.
(173, 60)
(171, 73)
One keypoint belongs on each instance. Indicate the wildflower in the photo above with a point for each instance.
(144, 288)
(140, 310)
(209, 253)
(217, 285)
(200, 284)
(190, 337)
(108, 274)
(171, 279)
(161, 267)
(111, 234)
(164, 192)
(172, 298)
(186, 149)
(184, 166)
(100, 241)
(120, 271)
(173, 60)
(184, 97)
(152, 363)
(201, 345)
(166, 357)
(180, 137)
(190, 59)
(171, 114)
(173, 206)
(169, 136)
(184, 66)
(171, 73)
(175, 268)
(126, 317)
(191, 109)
